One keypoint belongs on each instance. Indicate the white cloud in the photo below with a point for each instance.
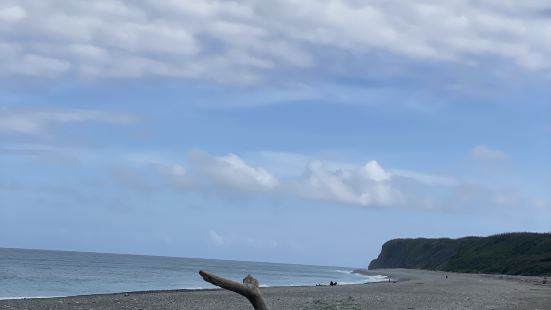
(239, 41)
(367, 186)
(12, 14)
(483, 152)
(424, 177)
(241, 241)
(36, 65)
(229, 171)
(36, 121)
(216, 238)
(175, 173)
(292, 164)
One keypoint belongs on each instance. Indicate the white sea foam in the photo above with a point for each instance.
(28, 297)
(380, 277)
(345, 271)
(198, 288)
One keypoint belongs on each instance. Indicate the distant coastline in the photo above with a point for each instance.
(508, 254)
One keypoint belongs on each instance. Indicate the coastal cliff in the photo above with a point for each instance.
(512, 253)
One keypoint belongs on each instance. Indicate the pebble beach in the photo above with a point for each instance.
(407, 289)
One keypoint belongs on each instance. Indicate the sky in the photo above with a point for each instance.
(306, 131)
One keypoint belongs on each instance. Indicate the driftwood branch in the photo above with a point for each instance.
(249, 288)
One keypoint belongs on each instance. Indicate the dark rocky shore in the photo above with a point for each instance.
(408, 289)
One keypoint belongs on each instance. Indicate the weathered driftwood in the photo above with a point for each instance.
(249, 288)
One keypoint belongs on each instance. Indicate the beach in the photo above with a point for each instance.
(407, 289)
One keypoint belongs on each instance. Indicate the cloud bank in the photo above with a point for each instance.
(240, 41)
(36, 121)
(369, 185)
(483, 152)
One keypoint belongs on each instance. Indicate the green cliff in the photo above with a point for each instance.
(512, 253)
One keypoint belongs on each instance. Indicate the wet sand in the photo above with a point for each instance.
(408, 289)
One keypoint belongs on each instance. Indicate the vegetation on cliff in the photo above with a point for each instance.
(511, 253)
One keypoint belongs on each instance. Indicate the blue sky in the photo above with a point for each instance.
(290, 131)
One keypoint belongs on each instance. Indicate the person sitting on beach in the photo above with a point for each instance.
(331, 283)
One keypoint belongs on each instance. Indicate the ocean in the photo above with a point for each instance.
(41, 273)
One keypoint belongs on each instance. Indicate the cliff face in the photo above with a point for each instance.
(416, 254)
(514, 253)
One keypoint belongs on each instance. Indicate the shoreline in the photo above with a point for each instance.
(196, 289)
(413, 289)
(180, 290)
(381, 272)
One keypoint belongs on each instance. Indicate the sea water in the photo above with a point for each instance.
(41, 273)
